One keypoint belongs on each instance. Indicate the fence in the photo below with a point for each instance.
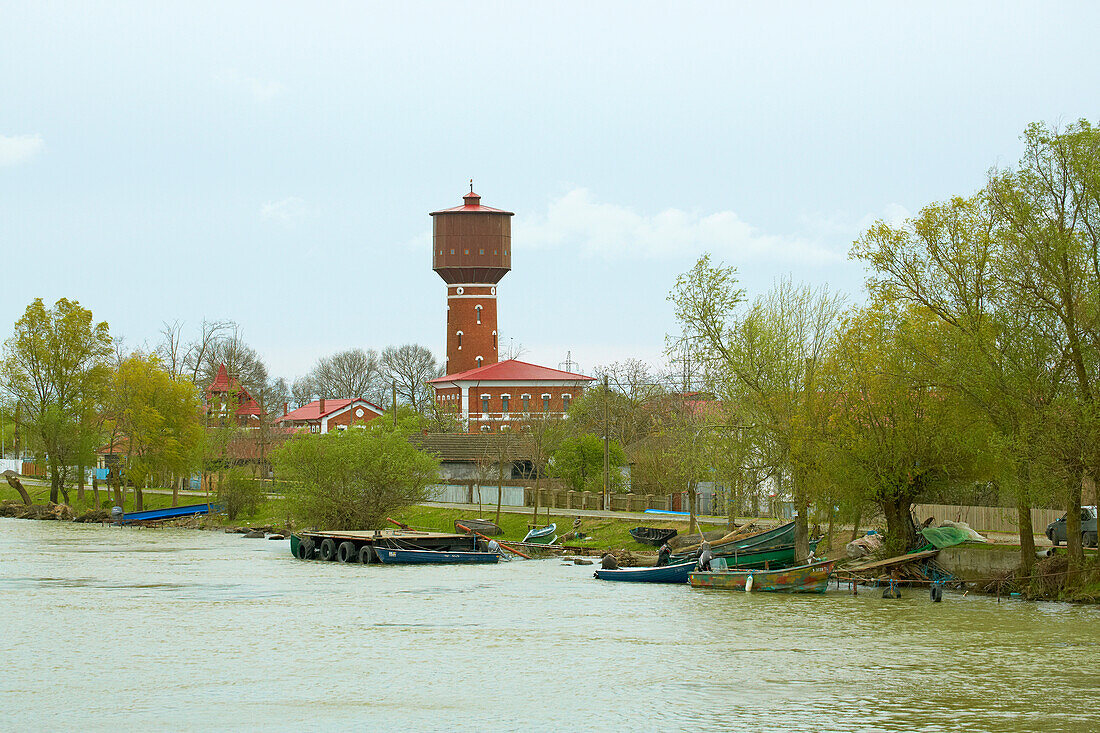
(988, 518)
(10, 464)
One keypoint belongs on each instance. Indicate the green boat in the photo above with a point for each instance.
(295, 540)
(542, 535)
(769, 557)
(777, 537)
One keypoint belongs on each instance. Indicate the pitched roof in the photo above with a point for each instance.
(512, 370)
(312, 411)
(471, 448)
(225, 384)
(471, 204)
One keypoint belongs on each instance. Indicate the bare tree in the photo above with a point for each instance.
(351, 373)
(170, 349)
(304, 390)
(198, 353)
(410, 367)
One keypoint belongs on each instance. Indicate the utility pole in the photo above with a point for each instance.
(606, 461)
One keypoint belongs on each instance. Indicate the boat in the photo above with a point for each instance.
(777, 537)
(175, 512)
(398, 556)
(542, 535)
(652, 535)
(772, 558)
(687, 540)
(812, 578)
(677, 573)
(482, 526)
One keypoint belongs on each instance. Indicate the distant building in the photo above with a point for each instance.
(325, 415)
(472, 251)
(505, 394)
(226, 399)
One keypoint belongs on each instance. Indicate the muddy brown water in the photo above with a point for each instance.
(105, 628)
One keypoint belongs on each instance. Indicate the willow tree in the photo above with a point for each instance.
(55, 365)
(764, 357)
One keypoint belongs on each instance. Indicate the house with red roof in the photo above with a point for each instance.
(226, 398)
(324, 415)
(499, 396)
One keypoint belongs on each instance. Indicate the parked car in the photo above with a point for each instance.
(1056, 531)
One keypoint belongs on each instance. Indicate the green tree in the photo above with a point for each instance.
(579, 461)
(55, 365)
(354, 479)
(157, 419)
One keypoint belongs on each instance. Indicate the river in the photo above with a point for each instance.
(109, 628)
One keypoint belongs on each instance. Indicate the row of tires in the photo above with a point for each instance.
(328, 550)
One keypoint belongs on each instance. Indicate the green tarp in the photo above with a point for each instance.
(941, 537)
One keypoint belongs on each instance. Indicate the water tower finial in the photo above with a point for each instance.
(471, 185)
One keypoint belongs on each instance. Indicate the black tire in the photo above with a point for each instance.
(306, 549)
(891, 593)
(1088, 539)
(366, 555)
(1053, 540)
(936, 593)
(328, 549)
(347, 552)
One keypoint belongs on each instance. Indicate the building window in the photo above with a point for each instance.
(485, 428)
(526, 402)
(452, 251)
(467, 251)
(481, 251)
(459, 334)
(565, 402)
(494, 339)
(477, 309)
(479, 361)
(504, 403)
(546, 403)
(485, 404)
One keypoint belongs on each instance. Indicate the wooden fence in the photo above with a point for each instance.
(988, 518)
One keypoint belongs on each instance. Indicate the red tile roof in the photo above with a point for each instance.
(312, 411)
(512, 370)
(472, 205)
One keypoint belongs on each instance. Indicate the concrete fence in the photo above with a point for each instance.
(988, 518)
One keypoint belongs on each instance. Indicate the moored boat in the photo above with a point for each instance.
(397, 556)
(677, 573)
(772, 558)
(653, 536)
(483, 526)
(812, 578)
(777, 537)
(542, 535)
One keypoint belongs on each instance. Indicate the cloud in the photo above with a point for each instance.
(577, 221)
(284, 211)
(262, 90)
(16, 149)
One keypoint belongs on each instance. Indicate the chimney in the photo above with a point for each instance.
(321, 407)
(286, 409)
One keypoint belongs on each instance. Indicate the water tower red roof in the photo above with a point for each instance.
(472, 205)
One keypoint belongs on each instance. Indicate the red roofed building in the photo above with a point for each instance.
(497, 396)
(325, 415)
(226, 397)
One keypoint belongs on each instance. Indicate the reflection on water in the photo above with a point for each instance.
(140, 628)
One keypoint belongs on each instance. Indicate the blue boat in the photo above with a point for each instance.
(677, 573)
(396, 556)
(174, 512)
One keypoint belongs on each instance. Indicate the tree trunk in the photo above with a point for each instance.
(139, 499)
(176, 491)
(80, 482)
(801, 521)
(16, 484)
(1073, 524)
(901, 533)
(855, 524)
(1027, 533)
(95, 491)
(55, 480)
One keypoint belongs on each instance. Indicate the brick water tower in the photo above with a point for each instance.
(471, 251)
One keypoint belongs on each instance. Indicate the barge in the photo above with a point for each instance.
(363, 546)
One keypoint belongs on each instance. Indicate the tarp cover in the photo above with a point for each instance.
(941, 537)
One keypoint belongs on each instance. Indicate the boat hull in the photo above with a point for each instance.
(777, 537)
(395, 556)
(665, 574)
(652, 536)
(482, 526)
(154, 515)
(542, 535)
(812, 578)
(772, 558)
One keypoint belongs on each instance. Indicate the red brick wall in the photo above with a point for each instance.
(478, 339)
(349, 418)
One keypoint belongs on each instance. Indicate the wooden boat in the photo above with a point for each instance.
(175, 512)
(677, 573)
(396, 556)
(686, 540)
(542, 535)
(813, 578)
(652, 535)
(777, 537)
(771, 557)
(484, 526)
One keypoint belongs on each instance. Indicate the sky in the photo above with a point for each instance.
(275, 163)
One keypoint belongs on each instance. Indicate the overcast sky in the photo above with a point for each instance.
(275, 164)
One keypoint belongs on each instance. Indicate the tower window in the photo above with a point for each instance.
(459, 334)
(494, 339)
(481, 251)
(452, 252)
(477, 309)
(479, 361)
(467, 251)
